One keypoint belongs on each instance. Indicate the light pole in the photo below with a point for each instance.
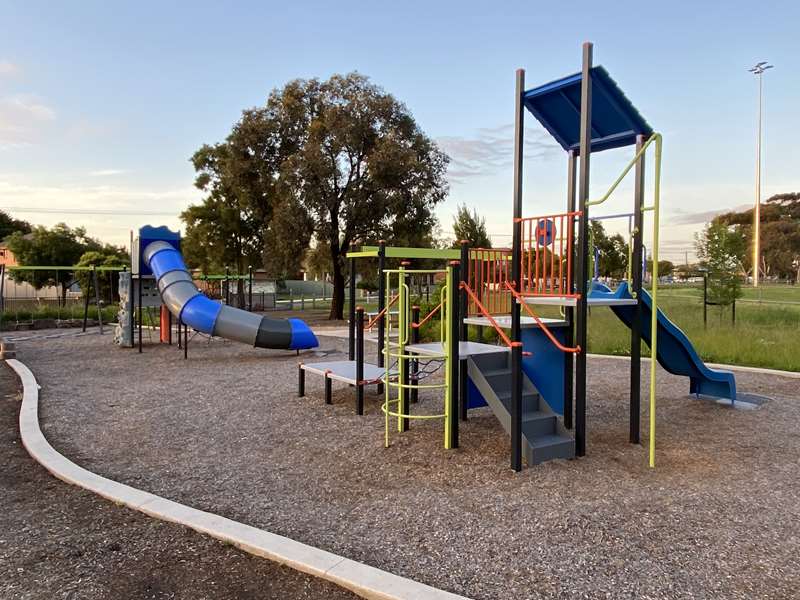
(758, 70)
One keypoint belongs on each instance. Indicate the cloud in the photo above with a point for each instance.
(682, 217)
(8, 69)
(107, 172)
(23, 119)
(492, 150)
(107, 211)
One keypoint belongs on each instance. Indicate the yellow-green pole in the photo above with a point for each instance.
(386, 362)
(401, 340)
(654, 311)
(448, 328)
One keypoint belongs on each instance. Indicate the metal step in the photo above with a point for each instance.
(549, 447)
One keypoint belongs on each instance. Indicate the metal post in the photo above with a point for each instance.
(453, 331)
(328, 392)
(636, 277)
(569, 312)
(516, 255)
(360, 360)
(705, 300)
(169, 333)
(414, 362)
(516, 406)
(185, 341)
(516, 276)
(581, 316)
(351, 310)
(250, 288)
(97, 298)
(227, 286)
(85, 306)
(464, 333)
(3, 285)
(301, 381)
(139, 310)
(402, 332)
(381, 304)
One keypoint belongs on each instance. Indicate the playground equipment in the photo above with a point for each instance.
(162, 278)
(534, 380)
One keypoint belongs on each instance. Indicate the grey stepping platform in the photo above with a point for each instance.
(345, 371)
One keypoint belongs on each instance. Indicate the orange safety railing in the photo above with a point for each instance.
(383, 312)
(506, 340)
(428, 316)
(546, 259)
(487, 272)
(540, 323)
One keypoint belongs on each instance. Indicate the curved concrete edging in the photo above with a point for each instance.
(366, 581)
(789, 374)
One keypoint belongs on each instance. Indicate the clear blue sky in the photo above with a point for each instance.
(102, 103)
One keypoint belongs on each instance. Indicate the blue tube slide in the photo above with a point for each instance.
(192, 307)
(675, 352)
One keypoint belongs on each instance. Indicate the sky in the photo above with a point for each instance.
(103, 103)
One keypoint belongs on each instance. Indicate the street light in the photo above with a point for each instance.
(758, 70)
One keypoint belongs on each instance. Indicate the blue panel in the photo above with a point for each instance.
(302, 336)
(615, 121)
(201, 313)
(474, 397)
(166, 260)
(545, 366)
(148, 234)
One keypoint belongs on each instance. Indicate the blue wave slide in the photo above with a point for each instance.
(195, 309)
(676, 354)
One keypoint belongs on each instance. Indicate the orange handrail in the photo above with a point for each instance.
(486, 314)
(539, 322)
(427, 317)
(383, 312)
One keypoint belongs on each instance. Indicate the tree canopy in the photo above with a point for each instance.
(613, 260)
(721, 249)
(60, 246)
(338, 161)
(780, 235)
(471, 227)
(9, 225)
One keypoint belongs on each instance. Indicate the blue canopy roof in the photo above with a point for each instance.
(615, 121)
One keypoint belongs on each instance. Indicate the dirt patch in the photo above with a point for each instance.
(224, 431)
(57, 541)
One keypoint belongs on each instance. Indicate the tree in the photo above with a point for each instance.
(9, 225)
(471, 227)
(665, 267)
(721, 249)
(779, 237)
(359, 167)
(613, 259)
(59, 246)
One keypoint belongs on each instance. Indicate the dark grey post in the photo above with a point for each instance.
(351, 349)
(516, 276)
(97, 298)
(169, 333)
(454, 358)
(328, 392)
(3, 285)
(85, 306)
(464, 333)
(569, 312)
(185, 341)
(583, 249)
(516, 406)
(381, 304)
(250, 288)
(636, 276)
(139, 310)
(301, 381)
(705, 300)
(227, 286)
(360, 361)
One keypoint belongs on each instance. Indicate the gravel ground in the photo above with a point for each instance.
(57, 541)
(225, 432)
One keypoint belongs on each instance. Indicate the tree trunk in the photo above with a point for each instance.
(337, 302)
(63, 298)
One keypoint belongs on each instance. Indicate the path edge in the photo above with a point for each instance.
(366, 581)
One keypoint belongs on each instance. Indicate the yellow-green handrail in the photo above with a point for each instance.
(625, 171)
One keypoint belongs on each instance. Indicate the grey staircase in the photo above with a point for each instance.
(543, 435)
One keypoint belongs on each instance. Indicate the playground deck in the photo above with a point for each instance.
(225, 432)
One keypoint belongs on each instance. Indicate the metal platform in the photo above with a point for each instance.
(504, 321)
(572, 301)
(465, 349)
(345, 371)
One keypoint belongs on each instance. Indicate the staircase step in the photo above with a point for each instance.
(493, 361)
(547, 447)
(530, 401)
(537, 423)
